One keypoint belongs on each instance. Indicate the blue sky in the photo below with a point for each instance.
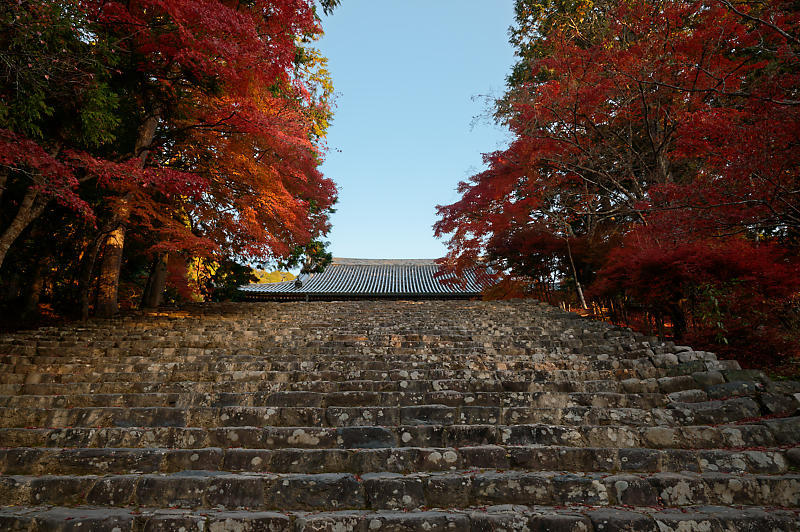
(410, 78)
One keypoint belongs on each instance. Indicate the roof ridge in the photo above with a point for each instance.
(347, 261)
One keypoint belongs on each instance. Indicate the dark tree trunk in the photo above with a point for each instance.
(679, 324)
(30, 208)
(30, 306)
(156, 283)
(108, 278)
(85, 281)
(578, 286)
(108, 285)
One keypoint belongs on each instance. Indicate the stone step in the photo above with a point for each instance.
(247, 335)
(709, 412)
(141, 351)
(713, 383)
(360, 326)
(584, 518)
(326, 386)
(685, 401)
(112, 342)
(390, 491)
(344, 398)
(76, 371)
(768, 433)
(647, 379)
(544, 374)
(385, 456)
(117, 343)
(156, 346)
(197, 371)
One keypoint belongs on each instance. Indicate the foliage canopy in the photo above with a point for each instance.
(655, 160)
(182, 130)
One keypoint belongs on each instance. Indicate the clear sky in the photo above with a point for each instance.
(410, 78)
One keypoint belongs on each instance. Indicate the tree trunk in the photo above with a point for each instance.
(678, 317)
(575, 273)
(108, 279)
(86, 276)
(108, 286)
(156, 283)
(30, 307)
(30, 208)
(3, 180)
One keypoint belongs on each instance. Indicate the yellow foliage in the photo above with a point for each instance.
(273, 277)
(313, 71)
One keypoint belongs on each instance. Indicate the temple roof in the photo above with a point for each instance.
(371, 278)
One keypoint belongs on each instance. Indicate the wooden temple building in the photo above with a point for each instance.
(413, 279)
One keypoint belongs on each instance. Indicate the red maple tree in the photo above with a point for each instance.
(663, 129)
(211, 136)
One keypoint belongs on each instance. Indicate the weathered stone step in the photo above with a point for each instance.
(713, 384)
(584, 518)
(412, 327)
(112, 342)
(74, 371)
(244, 330)
(326, 386)
(736, 409)
(598, 355)
(694, 403)
(766, 434)
(390, 491)
(111, 339)
(191, 371)
(343, 398)
(156, 344)
(246, 333)
(262, 327)
(641, 373)
(393, 459)
(157, 341)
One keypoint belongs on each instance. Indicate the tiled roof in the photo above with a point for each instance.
(372, 278)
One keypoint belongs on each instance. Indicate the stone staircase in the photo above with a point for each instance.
(447, 415)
